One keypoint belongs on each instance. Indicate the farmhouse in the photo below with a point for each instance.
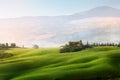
(76, 43)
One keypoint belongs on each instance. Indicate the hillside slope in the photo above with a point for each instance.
(48, 64)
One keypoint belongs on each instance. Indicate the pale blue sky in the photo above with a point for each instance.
(18, 8)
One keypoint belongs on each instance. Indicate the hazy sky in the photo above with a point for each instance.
(43, 32)
(18, 8)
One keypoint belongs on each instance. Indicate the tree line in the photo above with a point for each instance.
(7, 45)
(106, 44)
(78, 46)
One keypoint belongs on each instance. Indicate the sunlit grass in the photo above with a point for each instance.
(48, 64)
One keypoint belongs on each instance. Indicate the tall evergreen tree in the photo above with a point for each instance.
(7, 45)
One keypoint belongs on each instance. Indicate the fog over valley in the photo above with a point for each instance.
(98, 24)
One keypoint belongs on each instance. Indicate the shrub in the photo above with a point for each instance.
(74, 48)
(35, 46)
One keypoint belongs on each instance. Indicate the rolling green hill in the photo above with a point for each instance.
(100, 63)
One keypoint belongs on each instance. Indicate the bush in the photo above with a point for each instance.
(74, 48)
(35, 46)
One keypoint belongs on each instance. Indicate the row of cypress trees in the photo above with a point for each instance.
(105, 44)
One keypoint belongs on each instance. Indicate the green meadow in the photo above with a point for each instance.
(98, 63)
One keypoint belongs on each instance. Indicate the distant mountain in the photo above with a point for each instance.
(98, 24)
(103, 11)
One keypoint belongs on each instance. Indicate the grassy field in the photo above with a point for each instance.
(100, 63)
